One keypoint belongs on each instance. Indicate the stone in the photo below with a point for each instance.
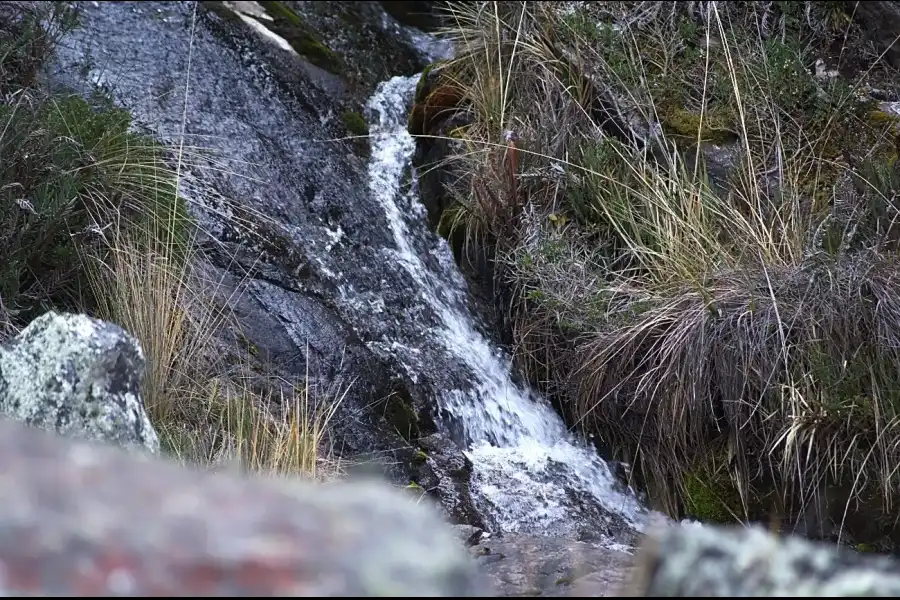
(467, 534)
(445, 471)
(78, 377)
(83, 519)
(733, 561)
(880, 22)
(526, 565)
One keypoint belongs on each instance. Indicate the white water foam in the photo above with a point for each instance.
(526, 465)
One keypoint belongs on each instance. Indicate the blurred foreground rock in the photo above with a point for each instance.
(79, 377)
(715, 561)
(82, 519)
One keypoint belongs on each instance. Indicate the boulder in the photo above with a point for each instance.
(734, 562)
(81, 519)
(79, 377)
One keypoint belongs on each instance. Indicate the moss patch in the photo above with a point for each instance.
(710, 497)
(355, 122)
(289, 25)
(716, 127)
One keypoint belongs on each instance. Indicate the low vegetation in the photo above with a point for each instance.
(690, 209)
(91, 221)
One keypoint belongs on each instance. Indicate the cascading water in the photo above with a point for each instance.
(529, 473)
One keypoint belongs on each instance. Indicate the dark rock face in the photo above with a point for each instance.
(445, 468)
(881, 21)
(423, 15)
(78, 377)
(84, 520)
(282, 197)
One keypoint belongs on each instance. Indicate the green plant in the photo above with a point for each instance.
(68, 174)
(29, 33)
(355, 123)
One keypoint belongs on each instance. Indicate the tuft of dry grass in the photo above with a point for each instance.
(685, 315)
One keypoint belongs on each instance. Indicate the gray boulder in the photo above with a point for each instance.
(78, 377)
(83, 519)
(734, 562)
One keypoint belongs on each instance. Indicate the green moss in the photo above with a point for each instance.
(289, 25)
(355, 123)
(252, 348)
(880, 117)
(710, 498)
(713, 127)
(423, 81)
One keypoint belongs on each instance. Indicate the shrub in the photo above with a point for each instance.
(670, 309)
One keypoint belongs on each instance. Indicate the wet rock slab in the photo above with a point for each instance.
(523, 565)
(301, 251)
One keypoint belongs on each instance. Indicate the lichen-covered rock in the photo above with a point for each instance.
(79, 377)
(720, 561)
(82, 519)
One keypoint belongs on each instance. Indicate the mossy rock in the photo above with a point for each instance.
(289, 25)
(432, 96)
(355, 123)
(713, 127)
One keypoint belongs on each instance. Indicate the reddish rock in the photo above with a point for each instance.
(84, 519)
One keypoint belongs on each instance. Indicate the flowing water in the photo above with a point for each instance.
(529, 472)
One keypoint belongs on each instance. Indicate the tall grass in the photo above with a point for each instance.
(692, 320)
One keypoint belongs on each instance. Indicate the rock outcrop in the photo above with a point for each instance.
(80, 519)
(735, 562)
(79, 377)
(298, 248)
